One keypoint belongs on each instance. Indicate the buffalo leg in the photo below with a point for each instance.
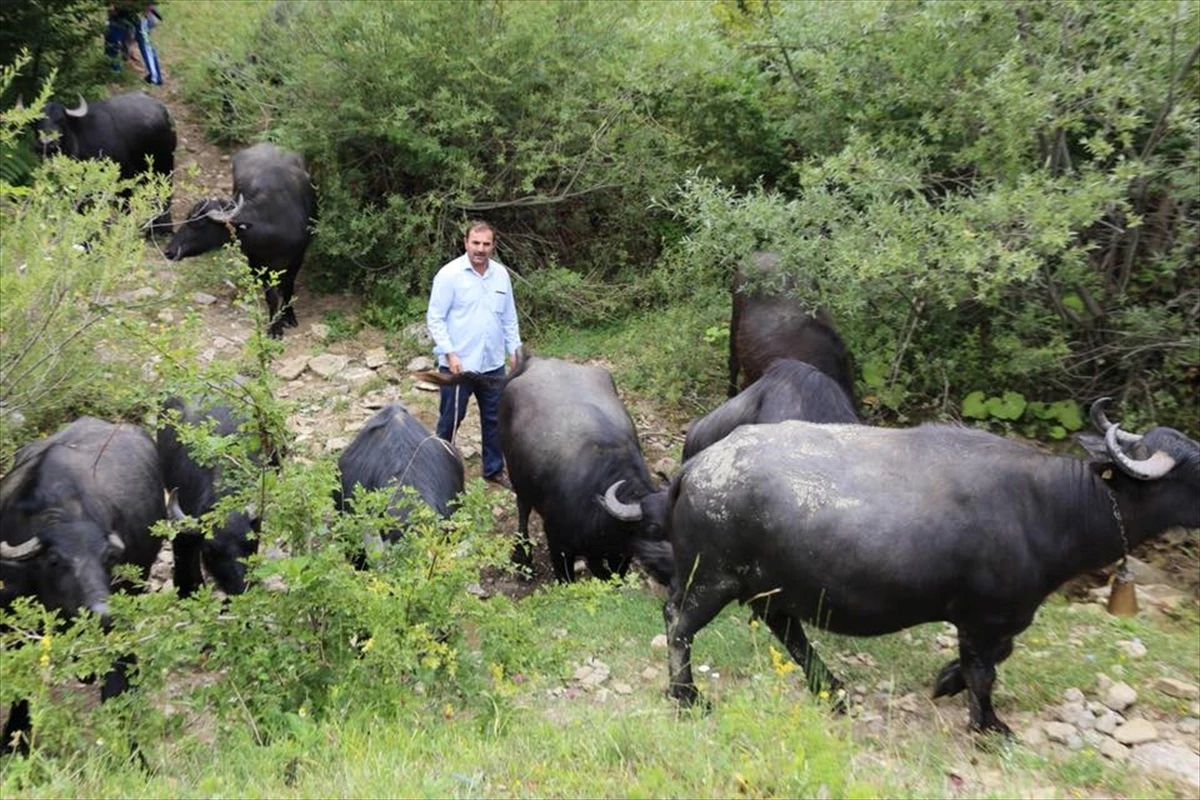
(275, 326)
(17, 725)
(564, 565)
(978, 656)
(787, 629)
(950, 679)
(287, 285)
(522, 554)
(685, 613)
(186, 551)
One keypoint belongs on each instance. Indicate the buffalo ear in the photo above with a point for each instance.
(1094, 445)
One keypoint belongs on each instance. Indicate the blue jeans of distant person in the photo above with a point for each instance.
(454, 408)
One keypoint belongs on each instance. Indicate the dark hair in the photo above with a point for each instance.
(479, 225)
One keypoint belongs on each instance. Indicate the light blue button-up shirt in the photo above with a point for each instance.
(473, 315)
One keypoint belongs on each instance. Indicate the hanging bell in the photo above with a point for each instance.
(1122, 595)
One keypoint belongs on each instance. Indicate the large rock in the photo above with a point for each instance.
(327, 365)
(1136, 731)
(1177, 688)
(1119, 696)
(1169, 760)
(292, 368)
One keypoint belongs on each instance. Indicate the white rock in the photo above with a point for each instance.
(1109, 721)
(1120, 696)
(292, 368)
(167, 316)
(1189, 726)
(336, 443)
(426, 386)
(1176, 688)
(1136, 731)
(203, 298)
(220, 342)
(420, 332)
(650, 673)
(1060, 732)
(659, 642)
(375, 358)
(355, 374)
(420, 364)
(327, 365)
(1112, 749)
(319, 331)
(1171, 760)
(1132, 648)
(144, 293)
(621, 687)
(1033, 736)
(1074, 695)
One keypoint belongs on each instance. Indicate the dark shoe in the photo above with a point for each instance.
(499, 479)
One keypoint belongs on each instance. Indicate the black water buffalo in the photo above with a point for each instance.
(866, 531)
(395, 449)
(72, 506)
(768, 323)
(196, 489)
(272, 216)
(789, 389)
(568, 440)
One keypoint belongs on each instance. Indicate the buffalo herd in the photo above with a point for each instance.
(786, 501)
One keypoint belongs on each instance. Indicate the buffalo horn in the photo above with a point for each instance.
(219, 215)
(174, 512)
(79, 110)
(20, 106)
(1101, 423)
(1147, 469)
(19, 552)
(626, 512)
(116, 542)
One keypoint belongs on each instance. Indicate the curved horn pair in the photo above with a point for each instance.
(22, 551)
(217, 215)
(626, 512)
(1147, 469)
(79, 110)
(1101, 423)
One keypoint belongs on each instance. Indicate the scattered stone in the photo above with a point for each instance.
(274, 583)
(1109, 721)
(478, 591)
(591, 674)
(292, 368)
(1119, 696)
(355, 374)
(908, 703)
(650, 674)
(1060, 732)
(1144, 574)
(167, 316)
(1069, 712)
(558, 633)
(203, 298)
(603, 694)
(426, 386)
(144, 293)
(884, 686)
(659, 642)
(1033, 736)
(375, 358)
(1112, 749)
(1189, 726)
(1097, 708)
(468, 451)
(1136, 731)
(319, 331)
(946, 641)
(1169, 760)
(420, 364)
(336, 443)
(1176, 688)
(220, 342)
(1074, 695)
(1132, 648)
(327, 365)
(620, 687)
(1103, 683)
(420, 332)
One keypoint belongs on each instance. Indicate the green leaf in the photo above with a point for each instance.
(973, 406)
(1009, 406)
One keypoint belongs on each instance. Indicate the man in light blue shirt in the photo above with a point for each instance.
(473, 321)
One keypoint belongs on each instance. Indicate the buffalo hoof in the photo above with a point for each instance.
(688, 696)
(275, 331)
(949, 681)
(289, 318)
(993, 730)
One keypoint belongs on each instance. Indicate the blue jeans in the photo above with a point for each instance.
(454, 408)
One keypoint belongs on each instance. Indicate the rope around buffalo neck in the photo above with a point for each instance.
(1123, 566)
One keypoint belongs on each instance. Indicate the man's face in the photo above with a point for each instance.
(480, 244)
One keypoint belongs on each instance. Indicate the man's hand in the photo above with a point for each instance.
(454, 363)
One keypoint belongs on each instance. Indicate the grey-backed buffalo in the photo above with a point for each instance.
(74, 505)
(134, 130)
(568, 440)
(789, 389)
(866, 531)
(196, 488)
(272, 216)
(769, 323)
(395, 449)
